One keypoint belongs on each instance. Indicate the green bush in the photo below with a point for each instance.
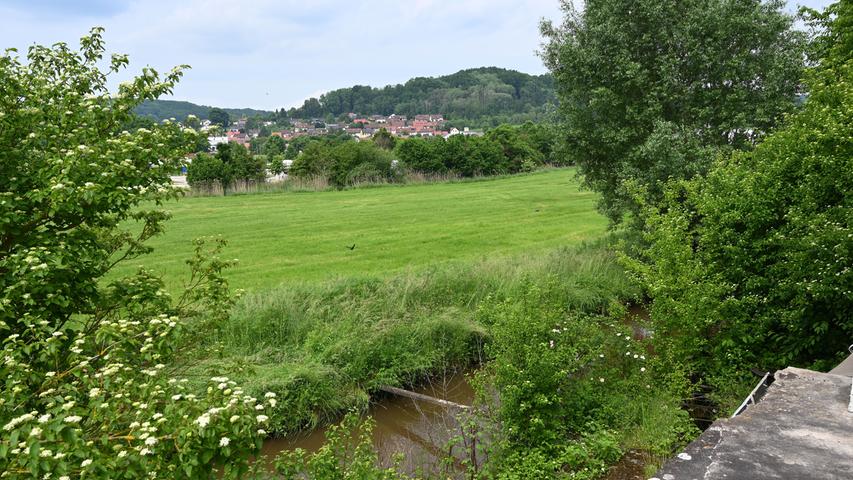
(750, 267)
(638, 78)
(88, 384)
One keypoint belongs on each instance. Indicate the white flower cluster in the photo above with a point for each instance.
(19, 420)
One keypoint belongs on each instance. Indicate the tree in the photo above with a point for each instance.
(384, 140)
(695, 73)
(253, 123)
(424, 155)
(275, 145)
(751, 265)
(219, 117)
(192, 122)
(205, 171)
(84, 386)
(519, 155)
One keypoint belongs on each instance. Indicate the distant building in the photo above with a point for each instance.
(214, 141)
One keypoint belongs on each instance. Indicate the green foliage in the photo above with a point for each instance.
(751, 266)
(274, 146)
(384, 140)
(574, 387)
(205, 170)
(219, 117)
(159, 110)
(399, 330)
(504, 150)
(468, 94)
(232, 162)
(348, 454)
(346, 163)
(85, 390)
(585, 459)
(648, 86)
(519, 154)
(422, 154)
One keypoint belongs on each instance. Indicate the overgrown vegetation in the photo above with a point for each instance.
(750, 265)
(88, 387)
(231, 164)
(400, 329)
(650, 89)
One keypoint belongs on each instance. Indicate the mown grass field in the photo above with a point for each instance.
(304, 237)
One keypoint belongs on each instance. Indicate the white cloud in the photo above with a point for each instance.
(269, 54)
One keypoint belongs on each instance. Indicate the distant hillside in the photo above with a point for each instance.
(162, 109)
(468, 94)
(480, 96)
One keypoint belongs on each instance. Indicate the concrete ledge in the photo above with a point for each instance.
(801, 429)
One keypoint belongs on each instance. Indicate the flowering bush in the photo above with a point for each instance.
(574, 387)
(85, 390)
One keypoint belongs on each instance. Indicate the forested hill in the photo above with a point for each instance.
(480, 96)
(163, 109)
(467, 94)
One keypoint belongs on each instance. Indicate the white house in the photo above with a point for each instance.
(214, 141)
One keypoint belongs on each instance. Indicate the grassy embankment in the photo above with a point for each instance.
(323, 325)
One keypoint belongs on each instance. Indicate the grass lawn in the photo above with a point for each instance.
(293, 237)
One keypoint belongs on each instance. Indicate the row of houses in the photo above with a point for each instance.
(360, 128)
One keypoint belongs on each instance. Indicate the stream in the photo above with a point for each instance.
(418, 430)
(421, 430)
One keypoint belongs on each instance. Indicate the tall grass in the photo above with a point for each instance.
(242, 187)
(326, 347)
(319, 183)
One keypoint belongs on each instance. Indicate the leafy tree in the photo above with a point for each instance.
(219, 117)
(313, 160)
(137, 121)
(632, 74)
(206, 170)
(84, 386)
(751, 265)
(518, 153)
(422, 154)
(275, 145)
(253, 123)
(192, 122)
(354, 162)
(384, 140)
(239, 164)
(344, 163)
(232, 162)
(472, 156)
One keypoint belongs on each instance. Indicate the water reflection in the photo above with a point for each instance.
(419, 430)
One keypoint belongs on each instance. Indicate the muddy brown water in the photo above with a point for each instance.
(419, 430)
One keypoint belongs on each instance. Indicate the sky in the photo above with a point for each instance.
(271, 54)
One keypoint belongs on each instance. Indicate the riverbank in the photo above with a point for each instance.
(326, 348)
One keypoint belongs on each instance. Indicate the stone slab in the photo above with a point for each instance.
(800, 430)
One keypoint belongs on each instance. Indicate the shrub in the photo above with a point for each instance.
(751, 266)
(85, 389)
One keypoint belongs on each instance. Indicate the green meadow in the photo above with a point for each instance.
(306, 236)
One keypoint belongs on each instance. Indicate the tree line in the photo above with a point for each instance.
(467, 94)
(343, 161)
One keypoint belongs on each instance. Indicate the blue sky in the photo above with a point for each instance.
(276, 53)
